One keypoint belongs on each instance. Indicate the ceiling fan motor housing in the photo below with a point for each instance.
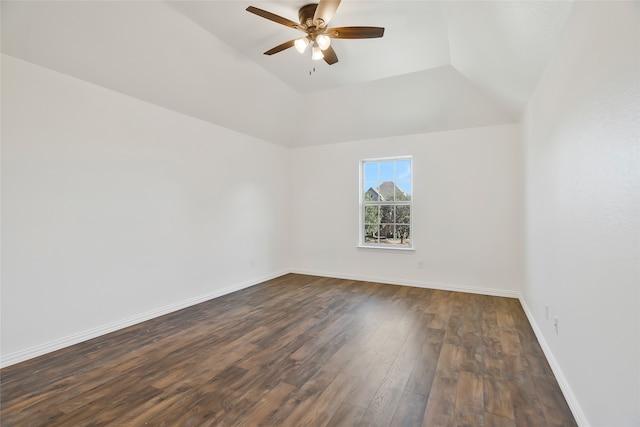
(305, 14)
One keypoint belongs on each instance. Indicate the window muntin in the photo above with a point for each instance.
(386, 197)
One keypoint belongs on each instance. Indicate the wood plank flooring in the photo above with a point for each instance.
(301, 351)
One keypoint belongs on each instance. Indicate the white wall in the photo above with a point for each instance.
(468, 227)
(582, 133)
(113, 208)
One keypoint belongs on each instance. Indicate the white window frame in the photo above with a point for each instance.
(410, 203)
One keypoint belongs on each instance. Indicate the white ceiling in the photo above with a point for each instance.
(414, 26)
(440, 65)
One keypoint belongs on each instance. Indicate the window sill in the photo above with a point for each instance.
(390, 248)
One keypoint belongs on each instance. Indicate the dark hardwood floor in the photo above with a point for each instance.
(301, 351)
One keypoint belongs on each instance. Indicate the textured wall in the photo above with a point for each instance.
(467, 215)
(112, 207)
(582, 133)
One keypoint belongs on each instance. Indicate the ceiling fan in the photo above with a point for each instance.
(314, 19)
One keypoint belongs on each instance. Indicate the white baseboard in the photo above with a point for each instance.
(575, 407)
(70, 340)
(39, 350)
(414, 283)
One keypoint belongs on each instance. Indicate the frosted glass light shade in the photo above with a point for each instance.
(316, 53)
(324, 41)
(301, 44)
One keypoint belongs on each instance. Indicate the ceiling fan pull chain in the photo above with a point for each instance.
(312, 68)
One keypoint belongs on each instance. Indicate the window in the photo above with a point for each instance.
(386, 190)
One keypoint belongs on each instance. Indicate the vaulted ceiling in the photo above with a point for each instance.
(441, 65)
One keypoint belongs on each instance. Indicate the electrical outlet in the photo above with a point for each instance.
(420, 265)
(546, 311)
(555, 324)
(253, 263)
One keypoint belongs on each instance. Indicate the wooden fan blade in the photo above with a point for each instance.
(330, 56)
(273, 17)
(280, 47)
(325, 11)
(355, 32)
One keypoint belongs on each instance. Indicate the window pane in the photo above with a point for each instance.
(403, 191)
(387, 191)
(371, 214)
(386, 232)
(403, 214)
(371, 233)
(403, 170)
(403, 235)
(387, 214)
(371, 171)
(371, 191)
(387, 171)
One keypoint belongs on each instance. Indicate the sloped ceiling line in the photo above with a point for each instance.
(440, 65)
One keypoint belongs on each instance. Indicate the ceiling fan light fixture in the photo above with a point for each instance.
(314, 19)
(301, 44)
(316, 52)
(324, 41)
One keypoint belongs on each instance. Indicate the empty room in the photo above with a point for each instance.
(342, 213)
